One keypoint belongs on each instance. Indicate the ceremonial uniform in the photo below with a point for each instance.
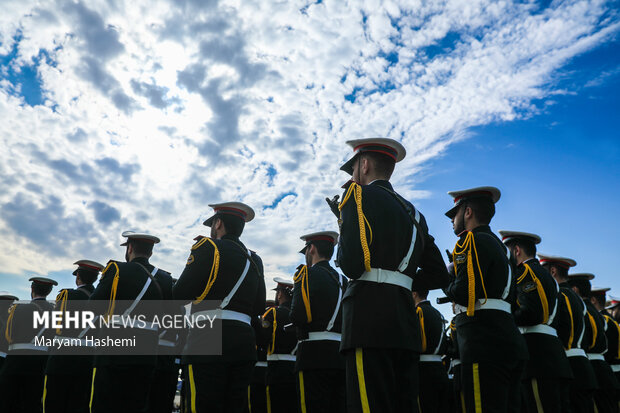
(170, 342)
(595, 345)
(222, 270)
(434, 384)
(317, 315)
(257, 390)
(122, 284)
(548, 370)
(569, 324)
(280, 376)
(612, 331)
(491, 348)
(6, 300)
(23, 370)
(383, 241)
(68, 376)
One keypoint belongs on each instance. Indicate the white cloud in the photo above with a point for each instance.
(156, 109)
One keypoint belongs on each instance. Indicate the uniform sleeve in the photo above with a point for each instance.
(528, 311)
(298, 309)
(433, 273)
(261, 292)
(350, 254)
(192, 282)
(102, 291)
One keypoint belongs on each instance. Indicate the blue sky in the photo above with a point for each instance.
(109, 125)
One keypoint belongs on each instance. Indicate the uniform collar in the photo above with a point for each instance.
(383, 183)
(423, 302)
(141, 260)
(324, 263)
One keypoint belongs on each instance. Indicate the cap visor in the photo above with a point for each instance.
(348, 166)
(452, 211)
(209, 221)
(75, 272)
(124, 244)
(303, 250)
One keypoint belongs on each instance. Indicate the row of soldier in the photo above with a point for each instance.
(524, 337)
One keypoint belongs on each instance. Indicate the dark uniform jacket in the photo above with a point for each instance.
(130, 278)
(70, 364)
(4, 314)
(279, 341)
(596, 343)
(323, 289)
(612, 331)
(569, 323)
(433, 338)
(537, 303)
(486, 335)
(393, 323)
(238, 340)
(20, 330)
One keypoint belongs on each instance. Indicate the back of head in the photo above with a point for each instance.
(325, 249)
(140, 248)
(87, 277)
(383, 164)
(234, 225)
(483, 209)
(41, 290)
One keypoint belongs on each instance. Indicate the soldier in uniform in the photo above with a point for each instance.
(123, 284)
(383, 241)
(492, 350)
(221, 268)
(316, 313)
(548, 370)
(68, 376)
(23, 370)
(281, 343)
(612, 331)
(434, 384)
(257, 390)
(595, 345)
(6, 301)
(569, 324)
(613, 308)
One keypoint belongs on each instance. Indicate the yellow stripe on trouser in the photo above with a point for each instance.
(192, 389)
(539, 406)
(463, 408)
(359, 361)
(44, 392)
(249, 400)
(268, 399)
(302, 392)
(477, 396)
(92, 391)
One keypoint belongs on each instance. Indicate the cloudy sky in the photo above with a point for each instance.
(118, 115)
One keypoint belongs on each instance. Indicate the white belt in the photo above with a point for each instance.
(323, 335)
(166, 343)
(490, 304)
(430, 357)
(381, 276)
(455, 363)
(575, 352)
(226, 315)
(26, 346)
(615, 368)
(595, 356)
(2, 354)
(281, 357)
(261, 364)
(539, 329)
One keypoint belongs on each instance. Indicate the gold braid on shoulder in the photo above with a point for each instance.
(355, 190)
(468, 246)
(302, 277)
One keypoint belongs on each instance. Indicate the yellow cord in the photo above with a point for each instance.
(572, 326)
(539, 288)
(274, 327)
(214, 268)
(594, 330)
(9, 324)
(421, 317)
(356, 190)
(302, 276)
(112, 301)
(468, 245)
(62, 297)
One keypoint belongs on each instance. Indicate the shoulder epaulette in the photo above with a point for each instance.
(465, 252)
(215, 267)
(200, 242)
(301, 277)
